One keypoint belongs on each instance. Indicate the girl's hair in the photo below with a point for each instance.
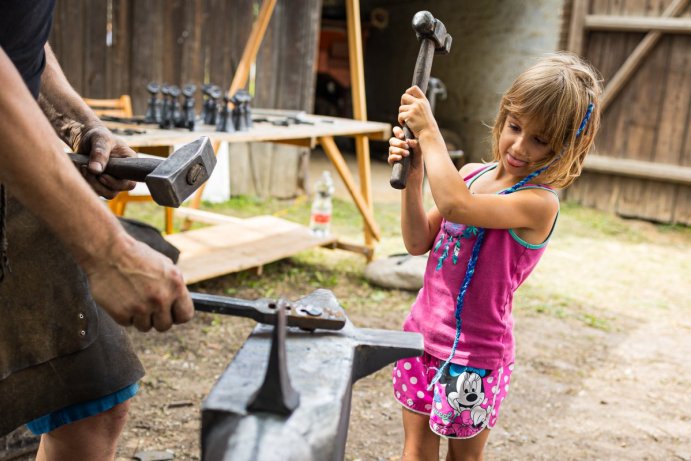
(556, 93)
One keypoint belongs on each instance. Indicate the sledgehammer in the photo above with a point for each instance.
(433, 38)
(170, 180)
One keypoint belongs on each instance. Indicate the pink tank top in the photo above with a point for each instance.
(504, 262)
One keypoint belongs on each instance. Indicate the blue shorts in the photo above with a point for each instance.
(67, 415)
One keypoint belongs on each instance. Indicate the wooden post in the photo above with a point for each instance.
(331, 151)
(576, 31)
(357, 85)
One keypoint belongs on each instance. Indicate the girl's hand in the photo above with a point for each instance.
(415, 112)
(399, 148)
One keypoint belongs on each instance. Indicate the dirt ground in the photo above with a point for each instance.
(603, 330)
(603, 339)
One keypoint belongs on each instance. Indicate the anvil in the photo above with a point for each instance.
(323, 365)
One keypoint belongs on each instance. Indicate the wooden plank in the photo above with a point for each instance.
(642, 100)
(287, 172)
(173, 35)
(637, 24)
(634, 60)
(95, 49)
(118, 61)
(638, 169)
(576, 32)
(682, 206)
(206, 217)
(68, 39)
(241, 177)
(676, 107)
(191, 70)
(252, 46)
(227, 248)
(630, 199)
(657, 202)
(267, 81)
(147, 62)
(297, 79)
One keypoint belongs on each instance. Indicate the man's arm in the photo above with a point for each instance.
(133, 283)
(81, 129)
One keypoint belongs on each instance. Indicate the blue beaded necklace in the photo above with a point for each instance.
(472, 262)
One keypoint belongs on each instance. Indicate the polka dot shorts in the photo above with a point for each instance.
(462, 403)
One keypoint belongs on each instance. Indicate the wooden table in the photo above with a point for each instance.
(233, 244)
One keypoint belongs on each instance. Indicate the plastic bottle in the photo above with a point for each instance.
(320, 218)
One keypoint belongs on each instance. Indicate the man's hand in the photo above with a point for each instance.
(100, 144)
(138, 286)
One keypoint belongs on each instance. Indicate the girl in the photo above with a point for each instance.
(488, 228)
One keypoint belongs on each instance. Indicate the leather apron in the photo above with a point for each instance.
(57, 347)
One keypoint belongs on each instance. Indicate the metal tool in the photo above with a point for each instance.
(213, 92)
(276, 394)
(170, 180)
(166, 108)
(323, 366)
(224, 123)
(433, 38)
(153, 110)
(304, 313)
(189, 116)
(242, 115)
(175, 118)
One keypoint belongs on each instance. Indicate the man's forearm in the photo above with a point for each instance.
(66, 111)
(39, 175)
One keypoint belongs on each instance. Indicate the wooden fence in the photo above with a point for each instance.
(113, 47)
(642, 164)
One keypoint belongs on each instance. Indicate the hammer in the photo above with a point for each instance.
(433, 38)
(171, 180)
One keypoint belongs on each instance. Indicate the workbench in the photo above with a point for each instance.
(232, 244)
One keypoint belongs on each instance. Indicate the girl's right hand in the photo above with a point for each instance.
(399, 147)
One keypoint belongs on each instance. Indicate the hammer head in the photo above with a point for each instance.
(178, 176)
(429, 28)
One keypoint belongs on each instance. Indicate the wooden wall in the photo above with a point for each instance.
(186, 41)
(646, 126)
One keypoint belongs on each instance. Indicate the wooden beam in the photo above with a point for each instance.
(576, 30)
(252, 46)
(357, 85)
(637, 24)
(638, 169)
(331, 151)
(634, 60)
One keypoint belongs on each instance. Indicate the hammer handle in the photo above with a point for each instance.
(131, 168)
(423, 67)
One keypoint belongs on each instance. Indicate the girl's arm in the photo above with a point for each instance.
(532, 209)
(417, 227)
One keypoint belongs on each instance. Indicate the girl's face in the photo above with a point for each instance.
(522, 145)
